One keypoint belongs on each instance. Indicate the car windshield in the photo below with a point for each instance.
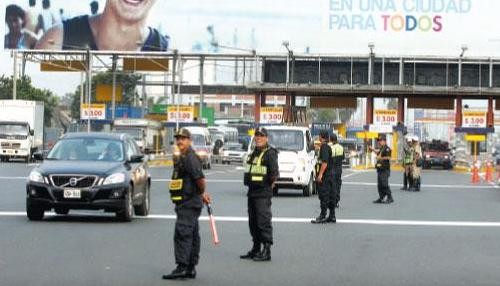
(133, 132)
(87, 149)
(198, 140)
(234, 147)
(286, 140)
(13, 129)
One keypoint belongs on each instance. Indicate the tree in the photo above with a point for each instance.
(127, 81)
(26, 91)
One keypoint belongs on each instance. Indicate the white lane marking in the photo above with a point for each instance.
(240, 168)
(299, 220)
(423, 186)
(344, 183)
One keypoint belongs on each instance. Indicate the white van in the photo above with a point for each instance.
(202, 144)
(296, 157)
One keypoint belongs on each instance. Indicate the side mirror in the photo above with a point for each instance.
(32, 132)
(136, 159)
(38, 155)
(310, 147)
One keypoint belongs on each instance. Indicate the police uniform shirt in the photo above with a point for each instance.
(269, 160)
(325, 155)
(191, 171)
(385, 151)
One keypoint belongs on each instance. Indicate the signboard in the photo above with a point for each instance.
(381, 128)
(387, 117)
(474, 119)
(395, 27)
(95, 112)
(159, 108)
(183, 114)
(475, 138)
(271, 115)
(104, 93)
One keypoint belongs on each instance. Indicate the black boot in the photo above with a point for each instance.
(265, 254)
(405, 183)
(331, 218)
(320, 219)
(180, 272)
(191, 272)
(417, 188)
(254, 251)
(378, 201)
(388, 200)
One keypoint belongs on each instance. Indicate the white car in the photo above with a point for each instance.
(296, 158)
(233, 152)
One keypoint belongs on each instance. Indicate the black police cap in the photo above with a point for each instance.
(324, 134)
(183, 132)
(261, 131)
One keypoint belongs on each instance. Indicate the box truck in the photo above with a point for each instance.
(21, 129)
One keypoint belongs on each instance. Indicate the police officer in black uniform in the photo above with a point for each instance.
(337, 159)
(260, 174)
(324, 180)
(383, 171)
(187, 190)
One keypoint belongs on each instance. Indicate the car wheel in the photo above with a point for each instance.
(128, 209)
(61, 211)
(143, 208)
(34, 212)
(308, 190)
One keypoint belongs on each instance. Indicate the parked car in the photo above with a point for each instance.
(233, 152)
(93, 171)
(296, 158)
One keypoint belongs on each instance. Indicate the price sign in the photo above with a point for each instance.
(93, 112)
(184, 114)
(271, 115)
(474, 119)
(385, 117)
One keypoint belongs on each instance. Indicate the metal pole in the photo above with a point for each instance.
(113, 95)
(89, 87)
(82, 90)
(14, 76)
(181, 72)
(144, 96)
(202, 82)
(174, 74)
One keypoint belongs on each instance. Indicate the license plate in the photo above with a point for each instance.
(72, 194)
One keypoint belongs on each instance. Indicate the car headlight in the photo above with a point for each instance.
(446, 157)
(202, 153)
(427, 156)
(36, 177)
(116, 178)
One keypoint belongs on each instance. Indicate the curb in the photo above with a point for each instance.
(161, 163)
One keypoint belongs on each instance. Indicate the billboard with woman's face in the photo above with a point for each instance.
(394, 27)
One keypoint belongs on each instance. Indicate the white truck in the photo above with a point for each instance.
(146, 133)
(21, 129)
(296, 158)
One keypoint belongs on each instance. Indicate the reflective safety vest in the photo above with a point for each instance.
(255, 173)
(180, 187)
(337, 154)
(409, 156)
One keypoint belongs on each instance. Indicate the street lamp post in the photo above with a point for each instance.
(460, 61)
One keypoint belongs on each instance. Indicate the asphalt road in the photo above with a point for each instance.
(445, 235)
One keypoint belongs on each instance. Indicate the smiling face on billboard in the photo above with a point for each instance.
(131, 10)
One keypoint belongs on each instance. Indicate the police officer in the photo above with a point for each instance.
(187, 190)
(417, 165)
(260, 174)
(337, 159)
(324, 180)
(408, 164)
(383, 171)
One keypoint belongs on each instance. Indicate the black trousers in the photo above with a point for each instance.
(327, 195)
(187, 235)
(337, 185)
(383, 183)
(259, 219)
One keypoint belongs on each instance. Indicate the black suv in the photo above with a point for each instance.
(93, 171)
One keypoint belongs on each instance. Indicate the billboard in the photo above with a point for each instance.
(394, 27)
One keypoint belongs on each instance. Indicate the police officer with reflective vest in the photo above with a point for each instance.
(408, 163)
(187, 190)
(324, 180)
(260, 174)
(383, 171)
(337, 159)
